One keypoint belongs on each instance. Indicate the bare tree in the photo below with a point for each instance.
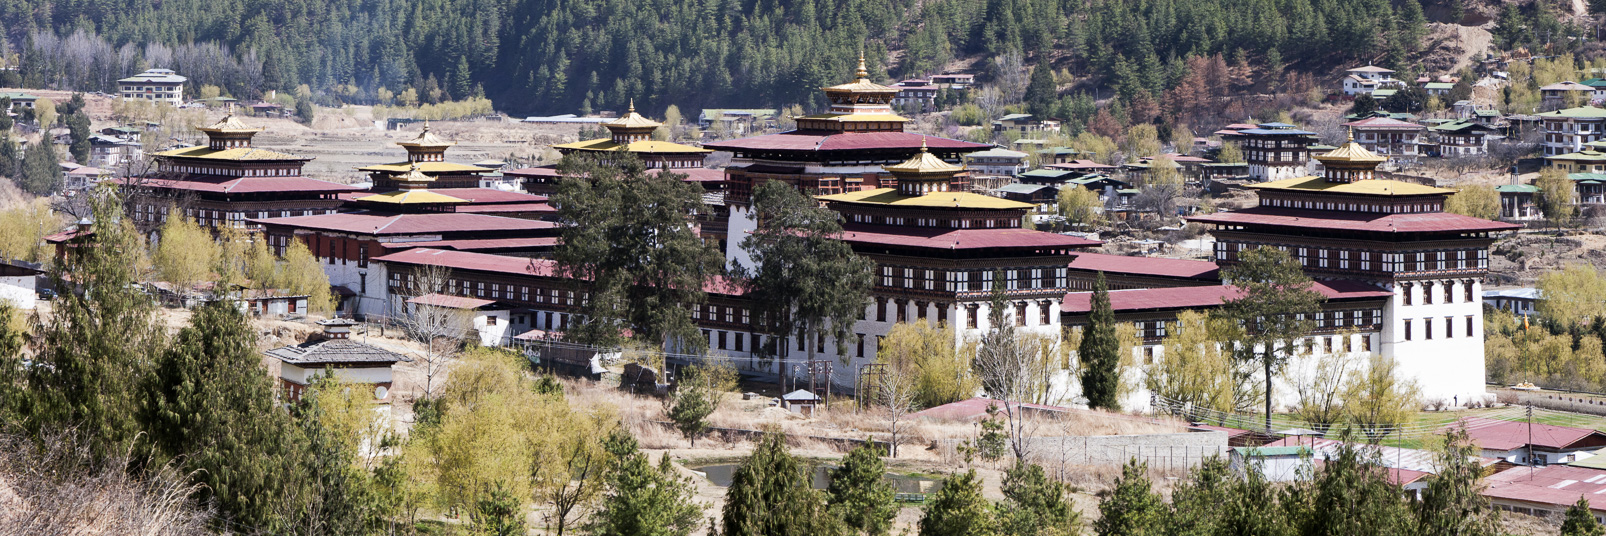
(1004, 363)
(897, 394)
(438, 328)
(1010, 68)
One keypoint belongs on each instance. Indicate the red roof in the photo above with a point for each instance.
(484, 244)
(1201, 297)
(243, 185)
(398, 224)
(1426, 222)
(1078, 165)
(1151, 266)
(538, 171)
(541, 208)
(1556, 485)
(1384, 123)
(485, 262)
(451, 302)
(813, 140)
(959, 238)
(1491, 434)
(696, 174)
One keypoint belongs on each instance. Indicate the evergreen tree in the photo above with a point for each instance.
(643, 500)
(94, 350)
(1453, 503)
(1351, 495)
(1275, 308)
(10, 156)
(305, 110)
(958, 509)
(1132, 508)
(770, 495)
(13, 330)
(691, 409)
(860, 494)
(803, 278)
(499, 513)
(209, 405)
(1197, 503)
(1363, 106)
(41, 171)
(1041, 94)
(629, 235)
(337, 497)
(78, 124)
(1100, 352)
(1580, 520)
(1035, 505)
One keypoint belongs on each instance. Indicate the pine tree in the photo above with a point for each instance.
(10, 156)
(860, 494)
(1035, 505)
(1275, 307)
(1041, 94)
(1198, 502)
(209, 405)
(1100, 352)
(770, 495)
(958, 509)
(690, 411)
(1453, 503)
(78, 125)
(41, 171)
(1580, 520)
(643, 500)
(1132, 508)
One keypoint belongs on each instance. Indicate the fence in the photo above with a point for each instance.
(1170, 452)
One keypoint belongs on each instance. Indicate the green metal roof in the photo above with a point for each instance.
(1272, 451)
(1047, 173)
(1581, 112)
(1589, 155)
(17, 95)
(1594, 82)
(1517, 188)
(1598, 461)
(1587, 177)
(1383, 93)
(1485, 112)
(1438, 85)
(1019, 188)
(1463, 124)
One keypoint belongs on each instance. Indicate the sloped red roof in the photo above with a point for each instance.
(696, 174)
(1202, 297)
(397, 224)
(1494, 434)
(976, 408)
(487, 243)
(485, 262)
(1151, 266)
(958, 238)
(241, 185)
(508, 207)
(806, 140)
(1384, 123)
(1556, 485)
(1354, 221)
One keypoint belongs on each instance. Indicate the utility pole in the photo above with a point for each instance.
(1530, 440)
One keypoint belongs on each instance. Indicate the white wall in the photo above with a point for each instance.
(1450, 368)
(301, 375)
(19, 290)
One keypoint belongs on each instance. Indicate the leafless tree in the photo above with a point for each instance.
(56, 487)
(1010, 69)
(897, 395)
(439, 329)
(1004, 363)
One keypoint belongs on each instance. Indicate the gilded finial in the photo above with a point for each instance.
(426, 125)
(632, 105)
(922, 144)
(1350, 138)
(862, 72)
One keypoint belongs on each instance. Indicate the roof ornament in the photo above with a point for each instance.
(862, 73)
(632, 105)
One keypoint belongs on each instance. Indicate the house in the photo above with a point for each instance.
(18, 100)
(1083, 167)
(1546, 491)
(1517, 202)
(1585, 161)
(1391, 138)
(1042, 195)
(1407, 468)
(1276, 464)
(1520, 301)
(19, 283)
(1562, 94)
(1368, 80)
(738, 120)
(159, 85)
(916, 93)
(1277, 151)
(1588, 188)
(1438, 89)
(1461, 138)
(1539, 444)
(482, 319)
(800, 401)
(1599, 85)
(997, 161)
(1566, 131)
(1021, 123)
(1056, 155)
(332, 352)
(82, 178)
(954, 81)
(114, 153)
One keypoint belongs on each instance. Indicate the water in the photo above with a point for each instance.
(721, 475)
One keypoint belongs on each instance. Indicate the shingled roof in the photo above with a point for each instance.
(334, 352)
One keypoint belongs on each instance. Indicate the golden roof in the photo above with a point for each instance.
(631, 119)
(426, 139)
(891, 196)
(234, 154)
(645, 146)
(861, 82)
(230, 125)
(1350, 152)
(426, 167)
(924, 162)
(410, 197)
(1362, 187)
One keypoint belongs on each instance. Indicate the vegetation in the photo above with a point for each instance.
(1196, 369)
(646, 500)
(958, 509)
(1478, 201)
(860, 493)
(1036, 506)
(770, 494)
(1274, 310)
(1100, 352)
(938, 369)
(1555, 196)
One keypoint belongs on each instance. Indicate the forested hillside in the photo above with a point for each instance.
(549, 56)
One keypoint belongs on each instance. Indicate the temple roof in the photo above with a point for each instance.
(426, 139)
(335, 351)
(237, 154)
(246, 185)
(410, 197)
(229, 125)
(861, 82)
(924, 162)
(426, 167)
(631, 119)
(644, 147)
(380, 224)
(1365, 187)
(1421, 222)
(1351, 152)
(954, 239)
(891, 196)
(800, 140)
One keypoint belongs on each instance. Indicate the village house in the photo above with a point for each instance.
(18, 100)
(1517, 202)
(1277, 151)
(953, 81)
(919, 94)
(1390, 138)
(1042, 195)
(159, 85)
(108, 152)
(738, 121)
(1540, 444)
(332, 352)
(1563, 94)
(1566, 131)
(1546, 492)
(1519, 301)
(996, 162)
(487, 322)
(1368, 80)
(1461, 138)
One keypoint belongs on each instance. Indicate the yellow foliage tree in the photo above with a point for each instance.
(939, 365)
(1573, 295)
(1555, 196)
(186, 254)
(301, 274)
(23, 229)
(1195, 368)
(1478, 201)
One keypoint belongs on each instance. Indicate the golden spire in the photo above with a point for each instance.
(1350, 138)
(922, 144)
(632, 105)
(862, 72)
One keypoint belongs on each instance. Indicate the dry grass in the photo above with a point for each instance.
(52, 487)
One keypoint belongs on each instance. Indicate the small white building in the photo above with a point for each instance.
(1520, 301)
(107, 152)
(483, 320)
(333, 352)
(160, 85)
(19, 283)
(998, 162)
(1368, 79)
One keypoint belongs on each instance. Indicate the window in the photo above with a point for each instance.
(1469, 326)
(1427, 329)
(1427, 294)
(970, 315)
(362, 283)
(1449, 292)
(1042, 313)
(1466, 291)
(1327, 345)
(881, 309)
(1407, 330)
(1405, 290)
(721, 340)
(1019, 313)
(1366, 343)
(362, 255)
(490, 320)
(1349, 344)
(859, 348)
(1449, 328)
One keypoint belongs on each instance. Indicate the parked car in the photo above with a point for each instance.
(47, 294)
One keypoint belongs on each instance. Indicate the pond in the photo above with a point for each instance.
(721, 474)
